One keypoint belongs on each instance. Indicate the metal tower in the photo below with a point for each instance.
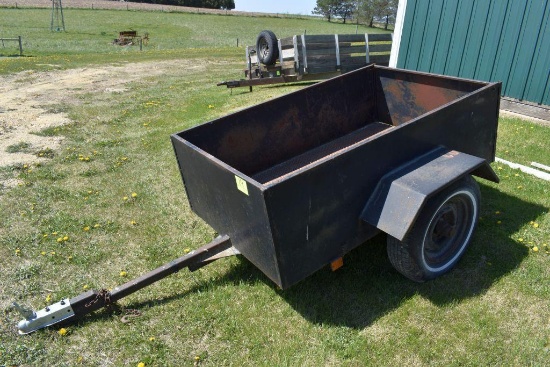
(58, 22)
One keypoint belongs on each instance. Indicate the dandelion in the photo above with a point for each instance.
(152, 339)
(535, 225)
(45, 235)
(59, 239)
(520, 187)
(85, 286)
(86, 229)
(43, 253)
(210, 106)
(125, 198)
(18, 252)
(197, 358)
(187, 250)
(123, 273)
(497, 212)
(141, 364)
(520, 239)
(52, 253)
(49, 298)
(62, 331)
(535, 249)
(499, 222)
(134, 195)
(69, 258)
(133, 222)
(97, 225)
(65, 238)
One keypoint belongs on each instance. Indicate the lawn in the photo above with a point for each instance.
(72, 223)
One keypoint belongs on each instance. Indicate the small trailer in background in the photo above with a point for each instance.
(295, 183)
(310, 57)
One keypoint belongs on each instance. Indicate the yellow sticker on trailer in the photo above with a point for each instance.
(241, 185)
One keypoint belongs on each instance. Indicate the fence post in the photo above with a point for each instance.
(20, 47)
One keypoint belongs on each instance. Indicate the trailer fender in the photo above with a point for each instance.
(401, 194)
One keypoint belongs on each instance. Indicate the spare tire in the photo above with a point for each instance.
(267, 47)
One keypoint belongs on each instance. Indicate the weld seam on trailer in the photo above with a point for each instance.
(531, 171)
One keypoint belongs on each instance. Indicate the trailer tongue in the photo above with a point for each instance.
(67, 310)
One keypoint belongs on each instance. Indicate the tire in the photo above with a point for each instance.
(267, 47)
(440, 235)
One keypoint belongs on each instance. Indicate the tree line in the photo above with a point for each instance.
(209, 4)
(362, 11)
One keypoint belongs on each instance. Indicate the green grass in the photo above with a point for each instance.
(89, 35)
(492, 309)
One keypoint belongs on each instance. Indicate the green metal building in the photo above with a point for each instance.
(492, 40)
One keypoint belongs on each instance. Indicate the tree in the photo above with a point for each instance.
(345, 9)
(367, 10)
(326, 8)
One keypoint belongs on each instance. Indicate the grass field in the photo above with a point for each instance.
(71, 223)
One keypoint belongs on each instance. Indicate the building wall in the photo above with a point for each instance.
(492, 40)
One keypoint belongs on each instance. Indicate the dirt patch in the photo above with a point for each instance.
(31, 102)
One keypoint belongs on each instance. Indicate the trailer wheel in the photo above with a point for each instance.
(267, 47)
(441, 233)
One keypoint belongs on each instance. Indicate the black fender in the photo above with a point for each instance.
(401, 194)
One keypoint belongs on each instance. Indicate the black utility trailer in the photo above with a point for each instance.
(295, 183)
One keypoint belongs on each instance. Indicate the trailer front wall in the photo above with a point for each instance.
(262, 136)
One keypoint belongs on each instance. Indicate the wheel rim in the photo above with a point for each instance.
(449, 231)
(263, 48)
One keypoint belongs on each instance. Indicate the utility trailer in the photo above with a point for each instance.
(310, 57)
(295, 183)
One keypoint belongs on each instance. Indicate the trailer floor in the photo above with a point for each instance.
(280, 171)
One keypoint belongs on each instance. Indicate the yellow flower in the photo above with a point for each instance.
(152, 339)
(141, 364)
(197, 358)
(535, 249)
(43, 253)
(62, 331)
(133, 222)
(97, 225)
(497, 212)
(520, 239)
(535, 225)
(60, 239)
(187, 250)
(49, 298)
(125, 198)
(123, 273)
(17, 252)
(210, 106)
(499, 222)
(65, 238)
(86, 228)
(134, 195)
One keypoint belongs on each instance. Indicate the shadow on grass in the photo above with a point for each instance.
(368, 287)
